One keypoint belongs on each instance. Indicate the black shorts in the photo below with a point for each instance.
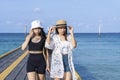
(36, 63)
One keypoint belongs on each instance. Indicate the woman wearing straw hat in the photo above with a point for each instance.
(36, 61)
(62, 46)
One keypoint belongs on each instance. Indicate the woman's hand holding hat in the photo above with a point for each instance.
(51, 29)
(70, 28)
(31, 33)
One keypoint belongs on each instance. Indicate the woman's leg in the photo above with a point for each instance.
(31, 75)
(67, 76)
(67, 73)
(41, 71)
(41, 77)
(56, 78)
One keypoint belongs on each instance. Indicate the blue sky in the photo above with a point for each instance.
(84, 15)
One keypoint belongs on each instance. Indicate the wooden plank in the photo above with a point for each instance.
(7, 53)
(12, 66)
(6, 61)
(19, 72)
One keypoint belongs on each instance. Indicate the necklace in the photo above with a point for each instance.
(36, 39)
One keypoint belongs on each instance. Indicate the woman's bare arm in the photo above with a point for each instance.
(25, 43)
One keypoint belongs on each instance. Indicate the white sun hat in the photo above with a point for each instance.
(36, 24)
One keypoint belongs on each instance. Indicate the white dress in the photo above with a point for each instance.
(57, 68)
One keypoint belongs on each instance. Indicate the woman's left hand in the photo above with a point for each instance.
(48, 68)
(70, 29)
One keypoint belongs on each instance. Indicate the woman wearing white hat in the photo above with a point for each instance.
(62, 45)
(36, 61)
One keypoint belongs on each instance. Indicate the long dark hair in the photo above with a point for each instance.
(65, 34)
(42, 34)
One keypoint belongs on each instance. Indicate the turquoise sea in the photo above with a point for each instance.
(95, 58)
(9, 41)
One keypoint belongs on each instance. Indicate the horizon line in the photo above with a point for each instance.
(74, 32)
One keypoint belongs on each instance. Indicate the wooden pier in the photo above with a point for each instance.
(13, 65)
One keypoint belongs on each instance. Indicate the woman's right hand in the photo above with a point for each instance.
(51, 29)
(31, 33)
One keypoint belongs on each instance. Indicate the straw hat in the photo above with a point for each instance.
(60, 23)
(36, 24)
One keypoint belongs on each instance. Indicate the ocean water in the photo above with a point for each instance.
(98, 58)
(95, 58)
(10, 41)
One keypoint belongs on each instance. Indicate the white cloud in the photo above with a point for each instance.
(89, 26)
(19, 24)
(9, 22)
(81, 24)
(37, 10)
(114, 18)
(100, 21)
